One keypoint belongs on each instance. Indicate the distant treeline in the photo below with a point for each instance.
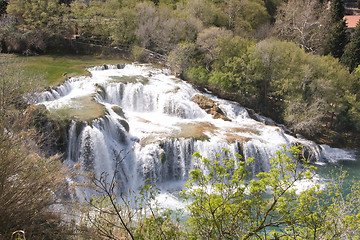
(291, 60)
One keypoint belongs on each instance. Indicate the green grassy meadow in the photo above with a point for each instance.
(54, 69)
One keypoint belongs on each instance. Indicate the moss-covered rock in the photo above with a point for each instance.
(53, 132)
(125, 125)
(79, 109)
(210, 107)
(101, 90)
(130, 79)
(163, 157)
(119, 111)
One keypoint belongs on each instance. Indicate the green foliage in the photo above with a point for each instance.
(207, 12)
(337, 10)
(39, 14)
(92, 19)
(198, 74)
(3, 6)
(139, 53)
(180, 57)
(38, 26)
(255, 13)
(208, 44)
(227, 202)
(122, 30)
(228, 48)
(337, 40)
(299, 87)
(353, 111)
(235, 76)
(351, 57)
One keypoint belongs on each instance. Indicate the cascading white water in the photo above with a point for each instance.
(151, 115)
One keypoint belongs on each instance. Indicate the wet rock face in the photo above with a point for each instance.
(210, 107)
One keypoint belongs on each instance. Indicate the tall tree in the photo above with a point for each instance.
(337, 40)
(351, 57)
(337, 10)
(337, 37)
(3, 5)
(303, 22)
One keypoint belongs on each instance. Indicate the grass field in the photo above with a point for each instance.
(54, 69)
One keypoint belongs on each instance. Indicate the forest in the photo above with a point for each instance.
(293, 61)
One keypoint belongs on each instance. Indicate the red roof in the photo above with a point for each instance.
(352, 20)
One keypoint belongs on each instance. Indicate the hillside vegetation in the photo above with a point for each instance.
(291, 60)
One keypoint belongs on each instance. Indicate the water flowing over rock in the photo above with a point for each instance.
(210, 107)
(160, 121)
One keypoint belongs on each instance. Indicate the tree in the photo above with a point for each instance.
(303, 22)
(3, 6)
(337, 10)
(275, 60)
(228, 203)
(180, 57)
(232, 10)
(337, 40)
(353, 98)
(351, 57)
(207, 43)
(160, 30)
(122, 31)
(305, 118)
(94, 19)
(271, 6)
(255, 13)
(39, 14)
(207, 12)
(245, 16)
(39, 25)
(233, 69)
(230, 47)
(337, 37)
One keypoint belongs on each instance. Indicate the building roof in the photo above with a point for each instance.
(352, 20)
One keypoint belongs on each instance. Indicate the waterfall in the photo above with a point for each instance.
(152, 124)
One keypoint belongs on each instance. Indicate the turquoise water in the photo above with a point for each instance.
(331, 171)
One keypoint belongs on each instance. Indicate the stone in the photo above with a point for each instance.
(210, 107)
